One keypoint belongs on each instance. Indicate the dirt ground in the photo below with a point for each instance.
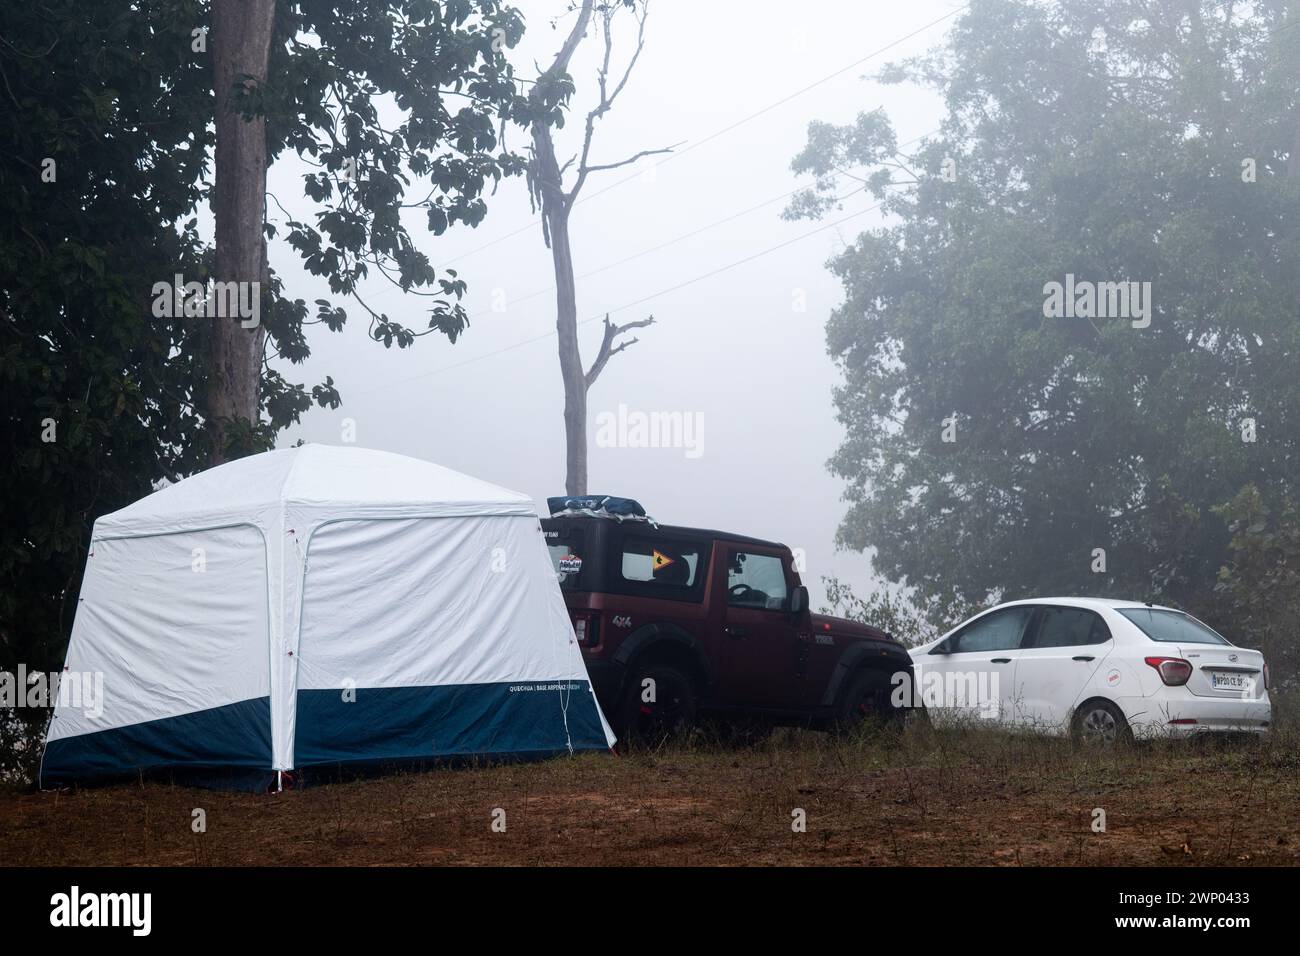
(926, 797)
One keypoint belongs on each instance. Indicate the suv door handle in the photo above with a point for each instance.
(1083, 657)
(735, 630)
(1001, 660)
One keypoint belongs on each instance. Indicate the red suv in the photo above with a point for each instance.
(676, 621)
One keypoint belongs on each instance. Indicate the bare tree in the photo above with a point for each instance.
(547, 189)
(241, 41)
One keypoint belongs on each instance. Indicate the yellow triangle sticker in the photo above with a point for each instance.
(661, 561)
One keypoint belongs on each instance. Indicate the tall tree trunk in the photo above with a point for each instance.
(546, 185)
(1288, 44)
(241, 46)
(575, 380)
(555, 210)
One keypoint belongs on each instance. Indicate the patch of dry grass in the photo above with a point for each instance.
(920, 796)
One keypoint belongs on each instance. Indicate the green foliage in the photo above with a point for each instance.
(444, 67)
(890, 612)
(22, 734)
(79, 347)
(97, 395)
(114, 93)
(1105, 140)
(1260, 585)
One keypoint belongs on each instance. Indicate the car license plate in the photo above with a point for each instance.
(1221, 681)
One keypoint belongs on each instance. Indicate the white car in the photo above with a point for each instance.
(1099, 669)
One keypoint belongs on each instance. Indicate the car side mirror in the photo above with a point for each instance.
(798, 600)
(943, 647)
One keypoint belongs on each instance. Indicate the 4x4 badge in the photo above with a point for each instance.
(622, 620)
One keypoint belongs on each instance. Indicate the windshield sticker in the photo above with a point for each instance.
(570, 564)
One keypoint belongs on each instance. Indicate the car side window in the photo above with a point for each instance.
(999, 631)
(1069, 627)
(756, 580)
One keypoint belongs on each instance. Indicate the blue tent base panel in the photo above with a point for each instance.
(488, 721)
(364, 731)
(227, 747)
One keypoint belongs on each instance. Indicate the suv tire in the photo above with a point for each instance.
(867, 700)
(671, 712)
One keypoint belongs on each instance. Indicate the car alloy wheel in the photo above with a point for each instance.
(1099, 727)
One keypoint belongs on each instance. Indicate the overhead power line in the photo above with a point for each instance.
(727, 129)
(627, 305)
(691, 234)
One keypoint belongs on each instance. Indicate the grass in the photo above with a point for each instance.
(922, 796)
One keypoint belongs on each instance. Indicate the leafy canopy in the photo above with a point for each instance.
(1109, 141)
(98, 396)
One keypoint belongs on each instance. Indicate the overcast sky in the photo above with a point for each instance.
(732, 348)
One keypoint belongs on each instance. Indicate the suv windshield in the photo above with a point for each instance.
(565, 546)
(1171, 627)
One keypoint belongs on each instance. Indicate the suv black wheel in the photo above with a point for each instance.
(867, 701)
(653, 711)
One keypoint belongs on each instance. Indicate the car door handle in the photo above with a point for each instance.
(1001, 660)
(1083, 657)
(735, 630)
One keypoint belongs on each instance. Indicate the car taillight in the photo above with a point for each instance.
(1174, 671)
(586, 629)
(1266, 675)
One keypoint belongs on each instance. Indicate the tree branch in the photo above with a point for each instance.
(561, 62)
(606, 97)
(607, 347)
(633, 159)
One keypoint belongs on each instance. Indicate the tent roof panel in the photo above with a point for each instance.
(335, 476)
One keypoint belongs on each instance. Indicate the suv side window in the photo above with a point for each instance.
(661, 567)
(999, 631)
(1069, 627)
(756, 580)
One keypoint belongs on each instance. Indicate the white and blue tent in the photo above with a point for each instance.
(319, 606)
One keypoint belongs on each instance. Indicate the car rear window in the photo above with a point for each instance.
(1171, 627)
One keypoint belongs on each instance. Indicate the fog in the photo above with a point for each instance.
(740, 306)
